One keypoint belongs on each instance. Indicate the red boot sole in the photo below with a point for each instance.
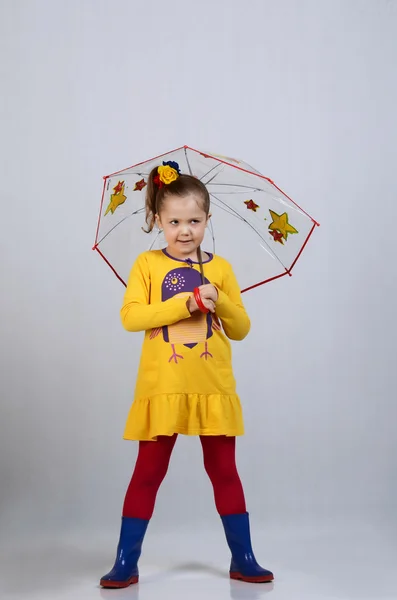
(118, 584)
(257, 579)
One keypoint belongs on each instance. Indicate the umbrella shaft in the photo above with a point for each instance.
(200, 258)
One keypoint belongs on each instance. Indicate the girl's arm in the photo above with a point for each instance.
(230, 308)
(137, 314)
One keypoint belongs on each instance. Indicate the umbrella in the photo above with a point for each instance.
(254, 224)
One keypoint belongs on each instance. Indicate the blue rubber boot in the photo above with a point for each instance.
(243, 566)
(125, 570)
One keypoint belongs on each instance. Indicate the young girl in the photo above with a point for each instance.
(188, 304)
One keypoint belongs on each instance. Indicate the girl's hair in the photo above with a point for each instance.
(184, 185)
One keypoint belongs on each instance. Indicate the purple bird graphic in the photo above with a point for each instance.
(199, 327)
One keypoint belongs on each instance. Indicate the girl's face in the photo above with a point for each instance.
(183, 222)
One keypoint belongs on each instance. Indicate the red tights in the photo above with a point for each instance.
(152, 465)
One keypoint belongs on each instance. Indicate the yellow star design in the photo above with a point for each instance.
(280, 223)
(116, 200)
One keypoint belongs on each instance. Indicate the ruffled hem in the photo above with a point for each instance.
(186, 414)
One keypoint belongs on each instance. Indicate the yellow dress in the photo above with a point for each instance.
(185, 381)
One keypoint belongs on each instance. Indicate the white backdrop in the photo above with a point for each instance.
(303, 90)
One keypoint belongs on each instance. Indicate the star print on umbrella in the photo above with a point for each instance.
(140, 185)
(277, 236)
(119, 187)
(117, 198)
(279, 228)
(251, 205)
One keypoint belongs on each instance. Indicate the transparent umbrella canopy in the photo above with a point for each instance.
(254, 224)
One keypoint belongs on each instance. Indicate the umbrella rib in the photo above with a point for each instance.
(228, 210)
(210, 171)
(216, 174)
(154, 241)
(248, 187)
(188, 163)
(136, 212)
(211, 228)
(254, 171)
(237, 185)
(138, 173)
(235, 213)
(293, 206)
(235, 193)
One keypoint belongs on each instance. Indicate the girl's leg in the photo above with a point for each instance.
(220, 463)
(150, 470)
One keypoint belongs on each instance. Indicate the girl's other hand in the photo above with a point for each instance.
(208, 292)
(209, 304)
(192, 304)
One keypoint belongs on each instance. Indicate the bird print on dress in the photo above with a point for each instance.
(180, 283)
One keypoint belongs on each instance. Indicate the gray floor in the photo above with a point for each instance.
(316, 563)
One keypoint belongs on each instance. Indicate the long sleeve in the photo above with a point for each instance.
(230, 308)
(137, 314)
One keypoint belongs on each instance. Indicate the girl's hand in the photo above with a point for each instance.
(192, 304)
(208, 292)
